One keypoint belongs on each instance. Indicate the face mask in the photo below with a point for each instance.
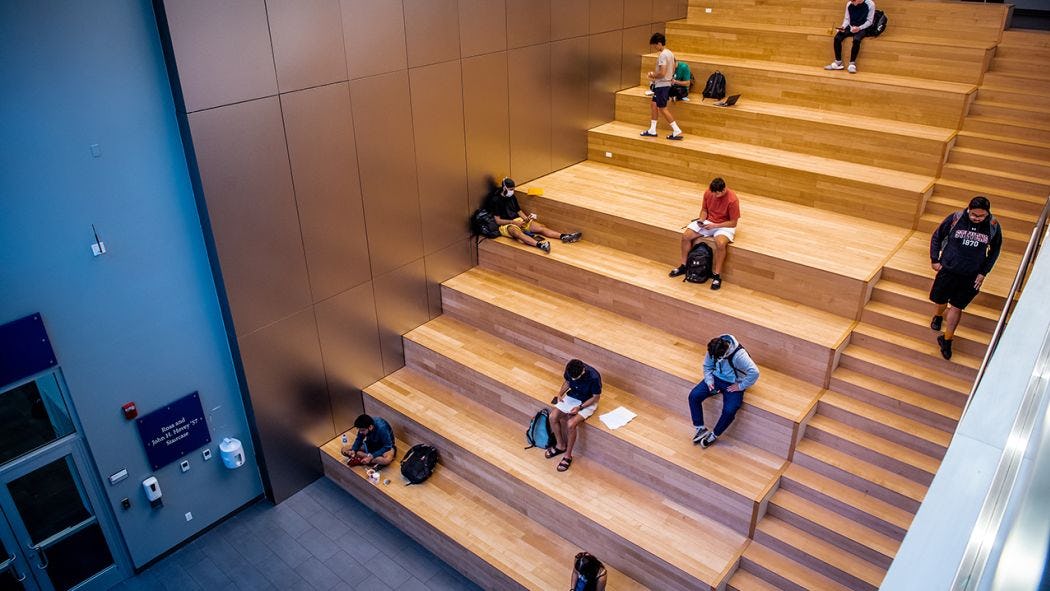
(507, 192)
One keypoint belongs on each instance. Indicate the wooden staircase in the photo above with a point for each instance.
(816, 483)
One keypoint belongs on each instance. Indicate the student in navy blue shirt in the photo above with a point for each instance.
(577, 400)
(374, 443)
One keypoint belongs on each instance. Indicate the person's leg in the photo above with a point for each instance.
(653, 115)
(952, 322)
(537, 228)
(689, 239)
(385, 459)
(697, 395)
(838, 45)
(731, 402)
(855, 49)
(556, 419)
(573, 425)
(516, 233)
(675, 130)
(721, 246)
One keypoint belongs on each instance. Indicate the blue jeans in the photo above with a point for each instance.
(731, 402)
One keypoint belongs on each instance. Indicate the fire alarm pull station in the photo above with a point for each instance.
(130, 410)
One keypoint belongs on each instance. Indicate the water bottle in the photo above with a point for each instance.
(346, 439)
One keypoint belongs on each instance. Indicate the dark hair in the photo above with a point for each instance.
(587, 566)
(980, 202)
(574, 367)
(363, 422)
(658, 38)
(507, 183)
(717, 347)
(718, 184)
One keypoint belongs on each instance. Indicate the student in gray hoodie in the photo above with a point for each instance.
(728, 370)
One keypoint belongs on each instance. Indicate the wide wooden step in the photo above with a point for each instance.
(899, 372)
(864, 476)
(978, 317)
(1024, 68)
(1006, 127)
(989, 159)
(785, 336)
(939, 206)
(917, 350)
(1015, 235)
(928, 422)
(845, 533)
(512, 551)
(647, 361)
(1026, 38)
(820, 555)
(911, 265)
(1011, 96)
(896, 145)
(743, 580)
(670, 546)
(889, 196)
(968, 340)
(872, 448)
(1006, 180)
(849, 502)
(963, 191)
(915, 100)
(1019, 112)
(655, 447)
(641, 212)
(1009, 82)
(783, 572)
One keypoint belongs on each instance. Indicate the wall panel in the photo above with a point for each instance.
(386, 155)
(374, 36)
(437, 111)
(530, 111)
(605, 59)
(446, 264)
(635, 45)
(432, 31)
(247, 185)
(323, 155)
(606, 15)
(486, 110)
(528, 22)
(482, 26)
(637, 12)
(401, 305)
(569, 18)
(307, 42)
(568, 104)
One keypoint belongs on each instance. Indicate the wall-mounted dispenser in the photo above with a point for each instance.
(152, 488)
(232, 453)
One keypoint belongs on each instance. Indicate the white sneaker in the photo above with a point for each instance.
(684, 98)
(701, 432)
(836, 65)
(852, 69)
(649, 93)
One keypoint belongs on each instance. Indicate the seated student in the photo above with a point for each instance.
(588, 573)
(718, 217)
(516, 223)
(577, 400)
(374, 443)
(682, 82)
(860, 14)
(729, 370)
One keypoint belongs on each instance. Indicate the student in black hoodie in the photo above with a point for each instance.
(963, 250)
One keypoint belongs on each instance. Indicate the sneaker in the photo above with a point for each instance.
(544, 246)
(935, 324)
(716, 282)
(708, 440)
(675, 137)
(852, 69)
(701, 432)
(648, 93)
(647, 133)
(835, 65)
(946, 346)
(679, 270)
(684, 98)
(570, 238)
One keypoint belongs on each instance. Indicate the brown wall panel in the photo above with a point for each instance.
(432, 31)
(401, 305)
(223, 51)
(637, 12)
(667, 10)
(606, 15)
(374, 36)
(386, 155)
(568, 104)
(446, 264)
(635, 45)
(437, 113)
(321, 147)
(528, 22)
(248, 188)
(569, 18)
(349, 334)
(290, 399)
(605, 62)
(482, 26)
(486, 110)
(530, 111)
(307, 42)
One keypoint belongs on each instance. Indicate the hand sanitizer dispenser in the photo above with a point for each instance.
(152, 488)
(232, 453)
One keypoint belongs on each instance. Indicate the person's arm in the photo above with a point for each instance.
(845, 19)
(994, 247)
(358, 441)
(564, 389)
(709, 368)
(602, 578)
(936, 239)
(743, 363)
(386, 439)
(871, 15)
(590, 402)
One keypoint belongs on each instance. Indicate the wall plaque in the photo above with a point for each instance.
(174, 430)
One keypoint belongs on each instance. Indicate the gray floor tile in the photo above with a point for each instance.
(290, 520)
(255, 550)
(388, 570)
(319, 576)
(349, 569)
(358, 547)
(328, 524)
(318, 544)
(280, 574)
(372, 584)
(448, 579)
(287, 548)
(419, 561)
(413, 584)
(208, 574)
(304, 504)
(249, 576)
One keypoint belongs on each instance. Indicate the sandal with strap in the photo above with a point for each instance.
(564, 464)
(553, 451)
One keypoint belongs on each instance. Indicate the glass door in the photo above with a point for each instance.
(14, 569)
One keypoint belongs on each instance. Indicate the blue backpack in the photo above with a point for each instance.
(539, 433)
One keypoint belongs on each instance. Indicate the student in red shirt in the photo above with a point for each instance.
(718, 216)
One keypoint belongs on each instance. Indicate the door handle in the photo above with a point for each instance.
(41, 556)
(9, 564)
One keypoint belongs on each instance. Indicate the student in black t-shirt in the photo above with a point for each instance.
(577, 400)
(516, 223)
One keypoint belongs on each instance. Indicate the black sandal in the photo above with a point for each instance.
(552, 452)
(564, 464)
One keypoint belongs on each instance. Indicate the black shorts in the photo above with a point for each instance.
(957, 290)
(660, 94)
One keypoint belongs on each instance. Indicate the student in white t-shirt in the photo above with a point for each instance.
(663, 79)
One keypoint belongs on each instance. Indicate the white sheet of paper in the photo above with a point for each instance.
(617, 418)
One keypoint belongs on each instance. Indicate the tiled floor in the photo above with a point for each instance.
(320, 539)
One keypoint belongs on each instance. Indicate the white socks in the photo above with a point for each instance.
(652, 126)
(674, 127)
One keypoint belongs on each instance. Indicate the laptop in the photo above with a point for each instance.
(729, 102)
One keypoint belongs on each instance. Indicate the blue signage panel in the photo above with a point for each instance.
(24, 349)
(173, 431)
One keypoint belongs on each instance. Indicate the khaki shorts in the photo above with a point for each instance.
(504, 230)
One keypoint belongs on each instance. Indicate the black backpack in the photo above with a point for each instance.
(878, 24)
(483, 223)
(716, 86)
(698, 264)
(418, 464)
(539, 433)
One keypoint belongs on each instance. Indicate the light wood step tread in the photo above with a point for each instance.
(923, 295)
(836, 523)
(1007, 232)
(787, 568)
(745, 581)
(1014, 106)
(1000, 211)
(741, 468)
(875, 443)
(919, 372)
(904, 395)
(1005, 139)
(978, 189)
(922, 319)
(676, 534)
(850, 496)
(847, 245)
(745, 304)
(840, 169)
(847, 463)
(822, 550)
(918, 346)
(679, 27)
(996, 173)
(913, 257)
(512, 542)
(821, 116)
(775, 392)
(1008, 122)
